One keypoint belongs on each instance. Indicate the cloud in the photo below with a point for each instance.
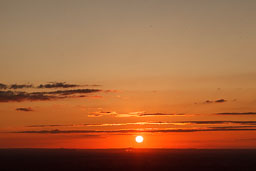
(237, 113)
(15, 86)
(111, 91)
(88, 136)
(220, 101)
(92, 85)
(18, 96)
(245, 122)
(58, 85)
(161, 114)
(3, 86)
(206, 122)
(148, 130)
(53, 125)
(45, 86)
(232, 127)
(208, 101)
(70, 92)
(25, 109)
(8, 93)
(20, 86)
(107, 124)
(251, 123)
(220, 122)
(215, 101)
(99, 114)
(131, 114)
(247, 139)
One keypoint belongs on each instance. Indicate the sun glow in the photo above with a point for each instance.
(139, 139)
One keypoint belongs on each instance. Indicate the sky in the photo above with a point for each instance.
(95, 73)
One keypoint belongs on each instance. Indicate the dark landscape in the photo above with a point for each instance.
(127, 159)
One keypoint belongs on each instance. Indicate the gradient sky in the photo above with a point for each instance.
(111, 70)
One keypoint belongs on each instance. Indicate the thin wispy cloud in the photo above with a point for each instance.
(220, 122)
(220, 101)
(107, 124)
(249, 123)
(53, 125)
(69, 92)
(214, 101)
(132, 114)
(146, 130)
(102, 113)
(162, 114)
(25, 109)
(237, 113)
(232, 127)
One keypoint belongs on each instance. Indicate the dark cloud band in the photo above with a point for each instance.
(58, 85)
(215, 101)
(18, 96)
(250, 123)
(237, 113)
(25, 109)
(56, 131)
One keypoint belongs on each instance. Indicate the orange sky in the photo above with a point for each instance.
(94, 74)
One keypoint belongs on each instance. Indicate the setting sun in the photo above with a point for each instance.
(139, 139)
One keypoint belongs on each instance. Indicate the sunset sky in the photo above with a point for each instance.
(97, 73)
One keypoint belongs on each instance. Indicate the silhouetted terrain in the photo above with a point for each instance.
(122, 159)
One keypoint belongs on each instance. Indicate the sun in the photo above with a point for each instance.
(139, 139)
